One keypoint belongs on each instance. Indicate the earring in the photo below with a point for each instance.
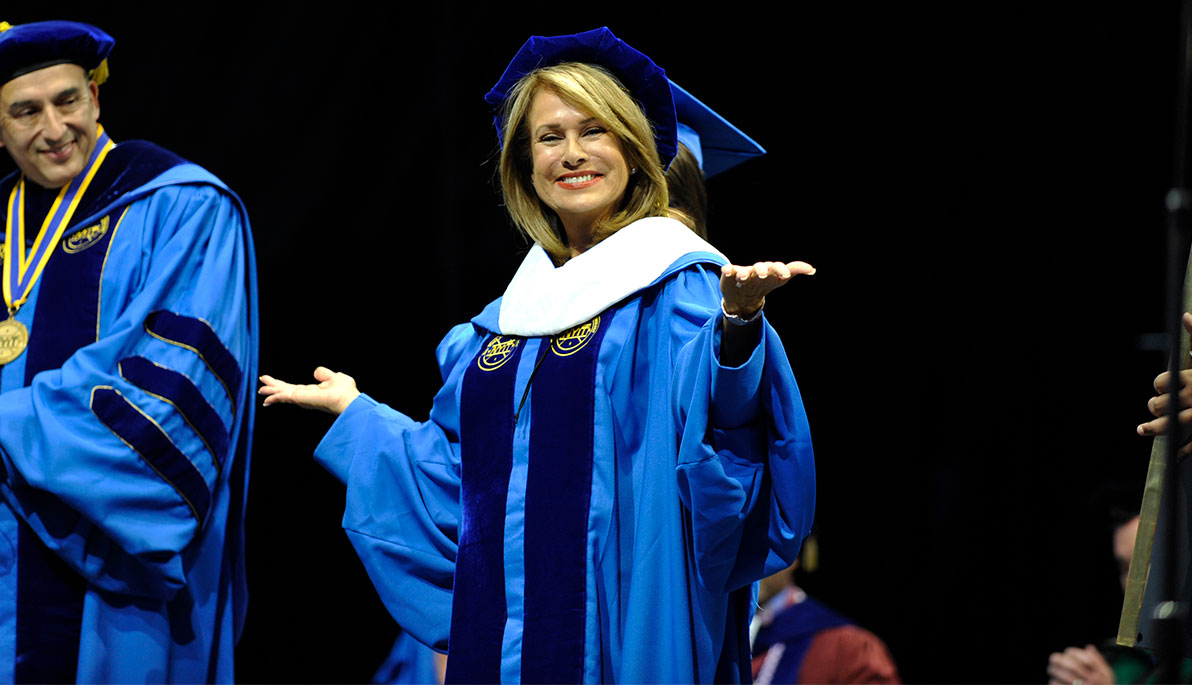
(633, 171)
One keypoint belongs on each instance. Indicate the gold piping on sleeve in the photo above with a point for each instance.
(200, 354)
(103, 267)
(194, 512)
(214, 461)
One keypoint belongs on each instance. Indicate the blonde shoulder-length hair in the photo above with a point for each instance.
(593, 90)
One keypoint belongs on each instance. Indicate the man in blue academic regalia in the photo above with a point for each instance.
(128, 346)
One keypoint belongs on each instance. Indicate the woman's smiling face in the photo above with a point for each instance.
(579, 167)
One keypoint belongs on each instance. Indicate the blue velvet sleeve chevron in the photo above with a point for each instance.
(120, 456)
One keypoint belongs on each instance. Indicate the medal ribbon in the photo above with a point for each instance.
(22, 270)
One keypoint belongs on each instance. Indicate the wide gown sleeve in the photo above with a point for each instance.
(745, 467)
(403, 495)
(116, 459)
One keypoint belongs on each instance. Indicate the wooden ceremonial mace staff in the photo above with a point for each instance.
(1161, 502)
(1162, 472)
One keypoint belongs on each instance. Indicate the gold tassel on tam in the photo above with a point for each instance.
(98, 74)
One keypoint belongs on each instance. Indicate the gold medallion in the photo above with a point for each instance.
(14, 338)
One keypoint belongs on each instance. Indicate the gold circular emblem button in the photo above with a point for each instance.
(497, 352)
(570, 342)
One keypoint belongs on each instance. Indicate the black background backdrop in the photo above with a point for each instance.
(980, 187)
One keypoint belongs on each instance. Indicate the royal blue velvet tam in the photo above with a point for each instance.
(645, 80)
(716, 143)
(28, 47)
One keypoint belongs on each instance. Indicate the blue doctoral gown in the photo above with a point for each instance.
(124, 435)
(598, 490)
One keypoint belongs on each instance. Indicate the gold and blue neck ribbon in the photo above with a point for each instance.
(23, 267)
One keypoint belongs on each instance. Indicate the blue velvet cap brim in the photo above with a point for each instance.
(29, 47)
(721, 145)
(645, 80)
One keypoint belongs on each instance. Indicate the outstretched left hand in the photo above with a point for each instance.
(745, 287)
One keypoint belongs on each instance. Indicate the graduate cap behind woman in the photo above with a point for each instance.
(716, 144)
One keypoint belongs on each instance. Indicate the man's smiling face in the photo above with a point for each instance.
(48, 122)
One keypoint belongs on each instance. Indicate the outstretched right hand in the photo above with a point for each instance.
(333, 394)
